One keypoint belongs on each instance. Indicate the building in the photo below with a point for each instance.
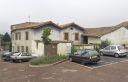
(116, 34)
(26, 37)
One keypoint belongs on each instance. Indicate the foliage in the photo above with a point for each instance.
(73, 50)
(48, 59)
(6, 41)
(6, 37)
(45, 36)
(105, 43)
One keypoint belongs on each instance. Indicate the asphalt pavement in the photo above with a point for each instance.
(107, 60)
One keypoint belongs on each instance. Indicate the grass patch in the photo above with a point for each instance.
(47, 60)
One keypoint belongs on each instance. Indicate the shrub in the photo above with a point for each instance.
(73, 50)
(105, 43)
(48, 59)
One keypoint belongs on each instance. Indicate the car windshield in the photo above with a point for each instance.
(120, 48)
(91, 53)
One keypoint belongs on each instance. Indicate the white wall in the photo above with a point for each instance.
(72, 34)
(55, 33)
(94, 40)
(23, 41)
(38, 49)
(119, 36)
(64, 48)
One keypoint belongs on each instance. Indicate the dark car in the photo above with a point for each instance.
(85, 56)
(20, 57)
(6, 56)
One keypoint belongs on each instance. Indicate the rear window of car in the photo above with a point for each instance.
(79, 52)
(121, 47)
(93, 53)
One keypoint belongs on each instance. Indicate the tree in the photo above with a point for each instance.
(6, 37)
(6, 42)
(105, 43)
(45, 36)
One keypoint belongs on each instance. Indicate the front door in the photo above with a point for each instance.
(85, 39)
(51, 49)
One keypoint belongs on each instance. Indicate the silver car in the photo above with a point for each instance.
(21, 57)
(114, 50)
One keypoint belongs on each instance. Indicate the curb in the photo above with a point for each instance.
(47, 65)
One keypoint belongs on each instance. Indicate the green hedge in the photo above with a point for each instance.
(47, 60)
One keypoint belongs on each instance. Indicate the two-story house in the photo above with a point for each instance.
(26, 36)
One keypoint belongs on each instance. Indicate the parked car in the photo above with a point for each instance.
(85, 56)
(114, 50)
(20, 57)
(6, 56)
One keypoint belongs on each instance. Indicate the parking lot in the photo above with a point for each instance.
(107, 60)
(109, 69)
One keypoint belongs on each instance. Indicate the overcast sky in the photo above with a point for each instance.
(87, 13)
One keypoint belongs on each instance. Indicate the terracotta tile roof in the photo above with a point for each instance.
(71, 24)
(98, 32)
(123, 24)
(32, 25)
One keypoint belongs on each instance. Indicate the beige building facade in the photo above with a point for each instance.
(26, 37)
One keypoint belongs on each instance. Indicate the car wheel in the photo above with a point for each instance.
(70, 59)
(116, 55)
(101, 53)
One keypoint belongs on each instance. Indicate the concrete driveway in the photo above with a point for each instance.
(64, 72)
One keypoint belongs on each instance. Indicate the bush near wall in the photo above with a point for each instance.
(48, 59)
(105, 43)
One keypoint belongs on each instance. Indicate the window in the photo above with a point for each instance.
(27, 35)
(19, 35)
(12, 48)
(27, 49)
(18, 49)
(12, 36)
(107, 48)
(16, 36)
(24, 54)
(121, 47)
(113, 48)
(66, 36)
(76, 36)
(22, 48)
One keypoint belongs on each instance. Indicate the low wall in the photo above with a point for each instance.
(87, 46)
(64, 48)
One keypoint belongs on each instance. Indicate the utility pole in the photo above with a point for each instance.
(29, 19)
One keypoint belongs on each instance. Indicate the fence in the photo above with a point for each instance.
(87, 46)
